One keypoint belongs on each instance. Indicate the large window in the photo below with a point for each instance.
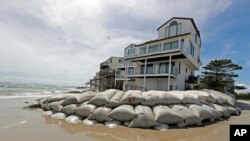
(163, 68)
(154, 48)
(170, 45)
(131, 51)
(143, 50)
(149, 69)
(173, 29)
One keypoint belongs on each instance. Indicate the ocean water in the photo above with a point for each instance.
(11, 90)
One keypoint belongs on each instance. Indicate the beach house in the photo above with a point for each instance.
(105, 77)
(166, 63)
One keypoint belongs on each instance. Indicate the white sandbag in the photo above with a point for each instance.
(199, 94)
(41, 101)
(230, 110)
(85, 110)
(168, 98)
(202, 96)
(101, 114)
(126, 123)
(56, 106)
(59, 116)
(151, 98)
(202, 113)
(73, 119)
(103, 98)
(216, 114)
(115, 100)
(186, 97)
(45, 106)
(78, 98)
(189, 117)
(144, 119)
(220, 109)
(231, 101)
(164, 114)
(89, 122)
(58, 97)
(48, 113)
(132, 97)
(228, 99)
(69, 109)
(238, 111)
(123, 113)
(112, 124)
(216, 96)
(162, 127)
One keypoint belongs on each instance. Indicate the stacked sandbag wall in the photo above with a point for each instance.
(136, 109)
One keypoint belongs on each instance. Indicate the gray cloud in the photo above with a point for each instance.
(63, 41)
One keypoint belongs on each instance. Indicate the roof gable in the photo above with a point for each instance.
(183, 18)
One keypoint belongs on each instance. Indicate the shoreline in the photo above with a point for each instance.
(39, 127)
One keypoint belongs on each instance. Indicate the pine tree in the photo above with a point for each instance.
(219, 74)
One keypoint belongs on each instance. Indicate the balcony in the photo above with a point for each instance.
(164, 46)
(106, 71)
(162, 72)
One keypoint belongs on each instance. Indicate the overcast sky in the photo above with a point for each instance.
(63, 41)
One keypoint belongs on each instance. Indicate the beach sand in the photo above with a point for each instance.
(30, 125)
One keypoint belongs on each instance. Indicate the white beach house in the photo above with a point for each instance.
(166, 63)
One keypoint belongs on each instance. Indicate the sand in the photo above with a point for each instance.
(31, 125)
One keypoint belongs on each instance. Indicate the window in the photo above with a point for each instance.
(154, 48)
(170, 45)
(192, 49)
(131, 51)
(167, 46)
(142, 69)
(171, 87)
(163, 68)
(173, 30)
(130, 71)
(149, 69)
(182, 43)
(143, 50)
(175, 45)
(179, 70)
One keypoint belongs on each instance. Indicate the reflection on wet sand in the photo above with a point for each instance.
(218, 131)
(101, 132)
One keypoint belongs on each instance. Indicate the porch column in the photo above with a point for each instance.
(145, 71)
(115, 76)
(125, 81)
(169, 71)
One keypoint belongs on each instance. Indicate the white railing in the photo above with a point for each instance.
(174, 71)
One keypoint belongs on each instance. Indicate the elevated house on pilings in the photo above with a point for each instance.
(166, 63)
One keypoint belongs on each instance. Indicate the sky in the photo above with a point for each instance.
(62, 42)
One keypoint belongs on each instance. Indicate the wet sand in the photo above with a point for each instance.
(29, 125)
